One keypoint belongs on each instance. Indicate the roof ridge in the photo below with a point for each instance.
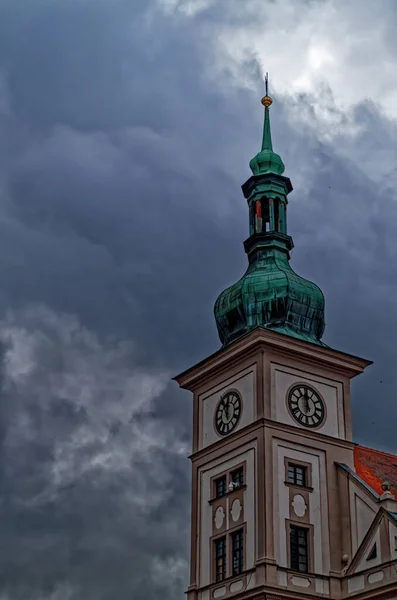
(377, 451)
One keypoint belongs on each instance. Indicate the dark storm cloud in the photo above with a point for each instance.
(121, 206)
(346, 224)
(88, 471)
(95, 491)
(108, 198)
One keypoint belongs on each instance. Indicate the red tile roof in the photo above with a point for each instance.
(375, 467)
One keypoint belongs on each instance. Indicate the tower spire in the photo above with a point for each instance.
(267, 136)
(267, 161)
(270, 294)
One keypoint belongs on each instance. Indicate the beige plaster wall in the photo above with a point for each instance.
(362, 512)
(318, 500)
(393, 541)
(374, 562)
(226, 462)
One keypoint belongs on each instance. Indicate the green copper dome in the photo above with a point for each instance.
(270, 294)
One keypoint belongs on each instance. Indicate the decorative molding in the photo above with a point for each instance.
(299, 505)
(342, 362)
(375, 577)
(364, 546)
(219, 517)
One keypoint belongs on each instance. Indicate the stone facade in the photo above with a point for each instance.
(351, 529)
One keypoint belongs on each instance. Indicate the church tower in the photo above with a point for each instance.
(272, 438)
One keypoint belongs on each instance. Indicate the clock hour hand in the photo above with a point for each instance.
(306, 400)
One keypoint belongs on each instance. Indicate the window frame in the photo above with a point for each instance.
(240, 470)
(240, 550)
(230, 572)
(216, 481)
(296, 557)
(228, 474)
(288, 460)
(296, 467)
(224, 556)
(310, 544)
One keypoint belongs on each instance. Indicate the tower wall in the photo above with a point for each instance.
(262, 368)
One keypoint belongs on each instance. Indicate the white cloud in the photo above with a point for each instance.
(51, 362)
(170, 573)
(188, 8)
(306, 45)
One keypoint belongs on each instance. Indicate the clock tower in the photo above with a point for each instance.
(272, 437)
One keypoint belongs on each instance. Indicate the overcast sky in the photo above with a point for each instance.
(126, 129)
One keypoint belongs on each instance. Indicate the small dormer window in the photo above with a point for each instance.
(373, 554)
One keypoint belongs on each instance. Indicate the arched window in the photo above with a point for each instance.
(252, 218)
(265, 214)
(281, 223)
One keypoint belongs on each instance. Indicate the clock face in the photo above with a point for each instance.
(227, 413)
(306, 406)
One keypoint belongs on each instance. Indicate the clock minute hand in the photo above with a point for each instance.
(227, 410)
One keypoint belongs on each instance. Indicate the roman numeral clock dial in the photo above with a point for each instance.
(306, 406)
(227, 413)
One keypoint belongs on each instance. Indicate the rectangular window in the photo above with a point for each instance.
(237, 552)
(237, 477)
(297, 474)
(220, 559)
(299, 551)
(220, 487)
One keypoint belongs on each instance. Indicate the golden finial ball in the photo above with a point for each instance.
(266, 101)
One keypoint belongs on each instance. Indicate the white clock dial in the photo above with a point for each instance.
(306, 405)
(227, 413)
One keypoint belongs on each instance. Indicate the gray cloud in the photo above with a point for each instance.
(122, 152)
(88, 468)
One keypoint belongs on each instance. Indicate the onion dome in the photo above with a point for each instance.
(271, 295)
